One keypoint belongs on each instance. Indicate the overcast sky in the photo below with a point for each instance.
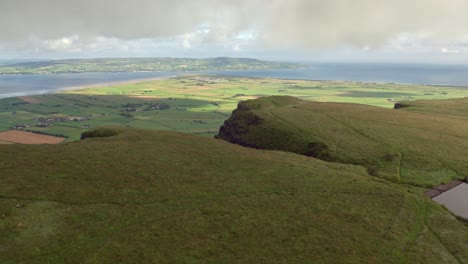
(432, 31)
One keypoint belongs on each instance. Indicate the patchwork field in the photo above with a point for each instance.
(23, 137)
(191, 104)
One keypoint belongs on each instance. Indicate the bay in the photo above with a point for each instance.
(447, 75)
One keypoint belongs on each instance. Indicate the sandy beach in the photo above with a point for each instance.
(107, 84)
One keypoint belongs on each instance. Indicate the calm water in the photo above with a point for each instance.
(17, 85)
(455, 200)
(456, 75)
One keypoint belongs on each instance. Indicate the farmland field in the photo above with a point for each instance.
(191, 104)
(23, 137)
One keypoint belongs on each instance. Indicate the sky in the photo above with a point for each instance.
(416, 31)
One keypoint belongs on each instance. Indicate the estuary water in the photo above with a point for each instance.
(29, 84)
(450, 75)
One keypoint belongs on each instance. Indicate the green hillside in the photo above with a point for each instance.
(144, 196)
(424, 143)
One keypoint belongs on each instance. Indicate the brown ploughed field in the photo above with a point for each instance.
(29, 99)
(22, 137)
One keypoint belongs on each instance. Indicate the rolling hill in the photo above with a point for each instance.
(424, 143)
(139, 196)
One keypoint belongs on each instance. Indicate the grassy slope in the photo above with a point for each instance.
(165, 197)
(202, 103)
(424, 144)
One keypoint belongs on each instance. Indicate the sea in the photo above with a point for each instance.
(430, 74)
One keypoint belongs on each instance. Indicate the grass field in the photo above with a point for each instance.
(144, 196)
(192, 104)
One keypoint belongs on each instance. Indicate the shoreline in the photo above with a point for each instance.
(224, 74)
(84, 86)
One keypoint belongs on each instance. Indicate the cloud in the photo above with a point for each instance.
(304, 24)
(125, 19)
(361, 23)
(63, 44)
(445, 50)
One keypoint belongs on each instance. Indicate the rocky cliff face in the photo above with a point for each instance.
(239, 126)
(251, 125)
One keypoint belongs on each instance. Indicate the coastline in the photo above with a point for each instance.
(30, 85)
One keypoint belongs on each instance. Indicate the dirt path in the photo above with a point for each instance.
(438, 190)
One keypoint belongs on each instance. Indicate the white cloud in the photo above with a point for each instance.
(305, 23)
(144, 26)
(68, 44)
(446, 50)
(236, 47)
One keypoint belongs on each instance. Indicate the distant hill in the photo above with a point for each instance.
(137, 196)
(15, 61)
(424, 143)
(143, 65)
